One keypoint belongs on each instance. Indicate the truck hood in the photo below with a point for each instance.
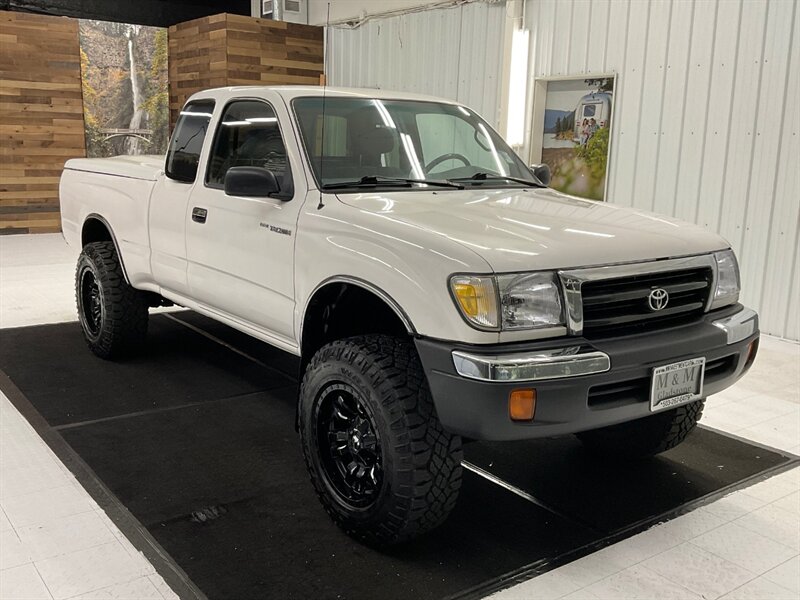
(517, 230)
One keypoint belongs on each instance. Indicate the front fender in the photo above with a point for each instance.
(409, 270)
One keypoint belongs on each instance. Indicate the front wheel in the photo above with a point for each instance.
(382, 465)
(645, 437)
(112, 314)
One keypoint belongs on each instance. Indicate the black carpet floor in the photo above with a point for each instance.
(198, 443)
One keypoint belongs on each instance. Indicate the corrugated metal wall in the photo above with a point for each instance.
(707, 126)
(454, 53)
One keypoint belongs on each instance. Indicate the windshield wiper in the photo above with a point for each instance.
(375, 180)
(478, 177)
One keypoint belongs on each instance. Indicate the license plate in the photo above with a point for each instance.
(677, 383)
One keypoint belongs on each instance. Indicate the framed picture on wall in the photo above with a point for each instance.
(572, 120)
(124, 85)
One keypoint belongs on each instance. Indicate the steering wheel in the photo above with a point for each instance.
(450, 156)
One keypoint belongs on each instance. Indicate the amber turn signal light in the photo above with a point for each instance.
(752, 350)
(522, 405)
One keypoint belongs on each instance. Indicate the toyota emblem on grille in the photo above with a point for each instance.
(658, 299)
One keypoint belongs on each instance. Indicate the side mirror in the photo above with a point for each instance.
(542, 173)
(251, 181)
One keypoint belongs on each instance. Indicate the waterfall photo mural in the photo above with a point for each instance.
(125, 93)
(576, 133)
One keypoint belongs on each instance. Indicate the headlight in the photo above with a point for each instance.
(529, 300)
(727, 290)
(509, 302)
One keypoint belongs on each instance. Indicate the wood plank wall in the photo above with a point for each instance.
(41, 117)
(234, 50)
(197, 59)
(266, 52)
(41, 109)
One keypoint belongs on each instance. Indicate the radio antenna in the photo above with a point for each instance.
(324, 94)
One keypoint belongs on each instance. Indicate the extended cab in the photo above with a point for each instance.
(435, 289)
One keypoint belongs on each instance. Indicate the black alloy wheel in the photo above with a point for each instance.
(91, 303)
(382, 464)
(349, 446)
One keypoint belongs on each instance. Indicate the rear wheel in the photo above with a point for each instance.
(112, 314)
(644, 437)
(382, 465)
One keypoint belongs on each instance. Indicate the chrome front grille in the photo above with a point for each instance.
(614, 300)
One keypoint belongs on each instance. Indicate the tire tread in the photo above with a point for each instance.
(124, 327)
(428, 457)
(648, 436)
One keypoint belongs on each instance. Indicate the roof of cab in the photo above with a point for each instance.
(289, 92)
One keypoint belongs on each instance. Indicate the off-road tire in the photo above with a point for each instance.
(645, 437)
(122, 326)
(421, 461)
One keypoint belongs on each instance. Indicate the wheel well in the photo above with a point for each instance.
(95, 230)
(339, 310)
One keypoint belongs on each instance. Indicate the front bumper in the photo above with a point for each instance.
(580, 384)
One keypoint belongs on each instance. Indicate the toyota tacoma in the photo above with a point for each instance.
(433, 286)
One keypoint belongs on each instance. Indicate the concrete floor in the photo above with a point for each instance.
(55, 542)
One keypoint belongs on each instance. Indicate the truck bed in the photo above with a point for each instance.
(145, 167)
(116, 190)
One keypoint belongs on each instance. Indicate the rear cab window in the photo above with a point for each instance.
(183, 154)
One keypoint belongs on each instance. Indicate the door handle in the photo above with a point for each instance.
(199, 214)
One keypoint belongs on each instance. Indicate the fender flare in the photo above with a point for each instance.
(363, 284)
(370, 287)
(107, 225)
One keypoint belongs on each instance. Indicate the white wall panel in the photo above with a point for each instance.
(746, 96)
(782, 268)
(766, 140)
(613, 38)
(673, 113)
(649, 130)
(543, 46)
(630, 86)
(718, 121)
(562, 32)
(706, 127)
(334, 11)
(599, 22)
(454, 53)
(696, 111)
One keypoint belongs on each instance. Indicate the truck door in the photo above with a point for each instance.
(241, 249)
(170, 197)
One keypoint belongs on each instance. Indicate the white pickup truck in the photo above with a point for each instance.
(435, 289)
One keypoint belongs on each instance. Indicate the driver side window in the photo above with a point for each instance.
(248, 135)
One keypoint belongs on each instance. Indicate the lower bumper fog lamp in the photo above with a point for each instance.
(522, 405)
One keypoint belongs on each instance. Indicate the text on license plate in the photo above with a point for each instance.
(677, 383)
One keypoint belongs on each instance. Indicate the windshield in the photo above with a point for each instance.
(378, 143)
